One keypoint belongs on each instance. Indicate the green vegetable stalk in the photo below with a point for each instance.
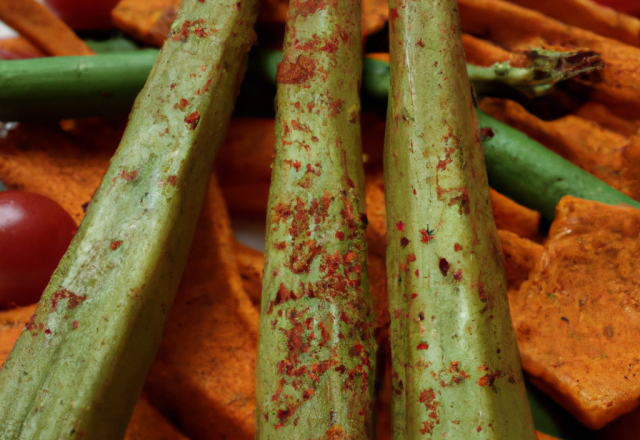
(78, 367)
(456, 367)
(535, 176)
(316, 351)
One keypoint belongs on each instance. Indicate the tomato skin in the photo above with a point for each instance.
(35, 232)
(83, 14)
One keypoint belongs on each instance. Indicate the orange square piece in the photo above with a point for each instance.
(577, 318)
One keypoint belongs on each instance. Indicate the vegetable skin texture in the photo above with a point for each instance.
(81, 362)
(456, 368)
(317, 350)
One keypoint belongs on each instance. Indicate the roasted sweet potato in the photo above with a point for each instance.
(577, 317)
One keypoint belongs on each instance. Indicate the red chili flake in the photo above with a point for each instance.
(444, 266)
(129, 176)
(481, 292)
(173, 86)
(489, 379)
(417, 272)
(458, 275)
(414, 192)
(200, 32)
(206, 86)
(420, 43)
(404, 242)
(457, 247)
(400, 226)
(414, 295)
(422, 346)
(172, 180)
(350, 182)
(183, 104)
(421, 316)
(340, 235)
(193, 120)
(312, 170)
(29, 325)
(47, 332)
(393, 13)
(335, 107)
(427, 236)
(74, 300)
(486, 133)
(115, 244)
(298, 72)
(238, 6)
(75, 324)
(479, 428)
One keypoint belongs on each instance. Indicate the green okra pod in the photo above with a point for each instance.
(317, 349)
(456, 366)
(77, 369)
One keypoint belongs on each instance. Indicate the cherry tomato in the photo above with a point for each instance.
(35, 232)
(84, 14)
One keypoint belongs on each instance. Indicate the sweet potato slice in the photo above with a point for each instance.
(148, 20)
(518, 28)
(606, 118)
(251, 265)
(42, 28)
(18, 48)
(520, 257)
(148, 424)
(590, 15)
(577, 317)
(514, 217)
(63, 166)
(204, 372)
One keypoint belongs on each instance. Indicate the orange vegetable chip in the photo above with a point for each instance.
(577, 318)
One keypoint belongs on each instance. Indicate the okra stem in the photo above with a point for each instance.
(317, 348)
(456, 367)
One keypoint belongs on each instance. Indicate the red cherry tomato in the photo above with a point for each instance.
(35, 232)
(84, 14)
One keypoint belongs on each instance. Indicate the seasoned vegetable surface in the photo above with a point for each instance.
(316, 351)
(79, 365)
(456, 369)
